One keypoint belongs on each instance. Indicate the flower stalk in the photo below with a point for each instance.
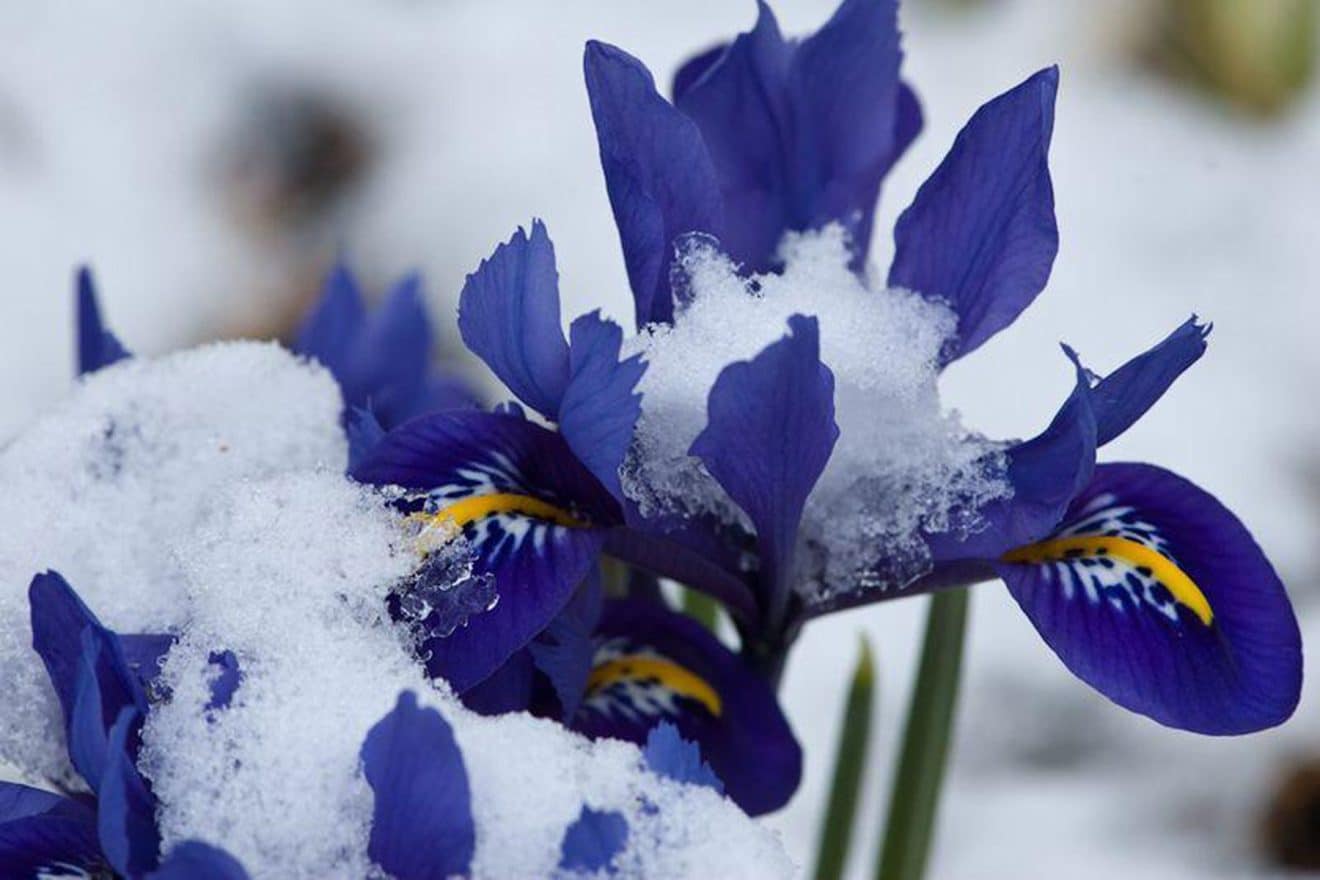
(920, 772)
(849, 765)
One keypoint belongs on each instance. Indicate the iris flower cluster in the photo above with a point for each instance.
(1144, 585)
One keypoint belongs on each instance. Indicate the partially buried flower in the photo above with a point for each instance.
(529, 510)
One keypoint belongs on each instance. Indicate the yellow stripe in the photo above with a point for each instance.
(1136, 554)
(678, 679)
(476, 507)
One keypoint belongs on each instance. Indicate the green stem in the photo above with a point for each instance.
(920, 770)
(849, 764)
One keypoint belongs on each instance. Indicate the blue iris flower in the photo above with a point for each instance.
(537, 507)
(535, 504)
(1144, 585)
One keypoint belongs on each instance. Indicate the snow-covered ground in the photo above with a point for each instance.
(111, 127)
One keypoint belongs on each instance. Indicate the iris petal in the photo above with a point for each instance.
(769, 434)
(40, 831)
(58, 619)
(97, 346)
(1156, 595)
(1045, 472)
(658, 173)
(422, 826)
(600, 406)
(653, 665)
(850, 121)
(593, 840)
(741, 106)
(532, 515)
(1123, 396)
(508, 314)
(331, 328)
(194, 860)
(980, 234)
(668, 754)
(126, 809)
(392, 355)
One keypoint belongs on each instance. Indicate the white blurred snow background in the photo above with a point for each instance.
(118, 125)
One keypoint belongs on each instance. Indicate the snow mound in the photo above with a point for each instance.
(203, 495)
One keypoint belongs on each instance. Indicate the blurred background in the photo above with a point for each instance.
(210, 161)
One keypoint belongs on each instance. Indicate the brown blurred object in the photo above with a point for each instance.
(297, 156)
(1291, 832)
(1256, 54)
(289, 172)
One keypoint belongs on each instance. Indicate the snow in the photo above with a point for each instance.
(902, 464)
(1167, 205)
(174, 503)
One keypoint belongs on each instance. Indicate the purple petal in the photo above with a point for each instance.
(741, 106)
(654, 665)
(658, 173)
(1124, 395)
(97, 346)
(848, 116)
(769, 434)
(600, 406)
(534, 538)
(690, 71)
(330, 331)
(22, 801)
(908, 123)
(443, 390)
(593, 840)
(88, 668)
(563, 652)
(472, 452)
(698, 552)
(508, 314)
(58, 619)
(194, 860)
(668, 754)
(364, 432)
(422, 825)
(507, 689)
(40, 830)
(228, 676)
(391, 357)
(126, 809)
(144, 652)
(1156, 595)
(980, 234)
(533, 581)
(1045, 472)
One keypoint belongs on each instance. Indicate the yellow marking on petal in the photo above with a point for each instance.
(1136, 554)
(679, 679)
(477, 507)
